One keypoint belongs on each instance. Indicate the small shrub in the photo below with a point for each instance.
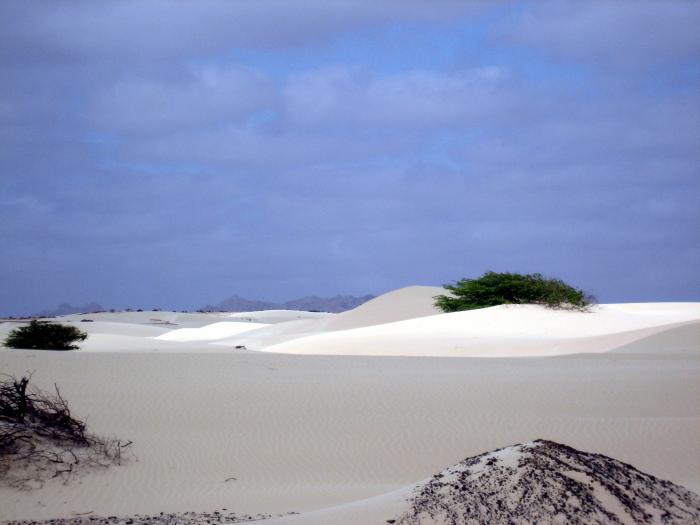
(492, 289)
(40, 439)
(46, 336)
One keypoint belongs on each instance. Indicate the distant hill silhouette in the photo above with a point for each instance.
(339, 303)
(66, 309)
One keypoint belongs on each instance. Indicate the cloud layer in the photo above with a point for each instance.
(170, 154)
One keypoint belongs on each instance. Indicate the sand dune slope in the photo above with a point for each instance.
(536, 482)
(117, 328)
(503, 331)
(402, 304)
(97, 342)
(406, 303)
(148, 318)
(276, 316)
(275, 333)
(209, 332)
(100, 329)
(681, 339)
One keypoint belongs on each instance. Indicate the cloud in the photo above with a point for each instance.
(415, 98)
(631, 36)
(135, 31)
(170, 152)
(207, 96)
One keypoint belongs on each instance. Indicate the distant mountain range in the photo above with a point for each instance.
(339, 303)
(66, 309)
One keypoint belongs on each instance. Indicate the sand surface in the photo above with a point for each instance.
(210, 332)
(502, 331)
(309, 432)
(276, 316)
(340, 438)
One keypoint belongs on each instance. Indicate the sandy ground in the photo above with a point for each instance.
(307, 432)
(319, 434)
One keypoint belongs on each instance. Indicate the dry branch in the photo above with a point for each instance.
(40, 439)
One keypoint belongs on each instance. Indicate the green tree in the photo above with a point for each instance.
(46, 336)
(492, 289)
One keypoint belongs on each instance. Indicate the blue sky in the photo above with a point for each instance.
(174, 153)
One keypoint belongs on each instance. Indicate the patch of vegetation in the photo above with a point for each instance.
(45, 335)
(492, 289)
(40, 439)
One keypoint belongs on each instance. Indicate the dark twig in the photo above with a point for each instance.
(40, 438)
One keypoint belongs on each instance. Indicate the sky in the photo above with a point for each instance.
(171, 154)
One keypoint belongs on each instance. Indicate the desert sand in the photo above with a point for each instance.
(339, 416)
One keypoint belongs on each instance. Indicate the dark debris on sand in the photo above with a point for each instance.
(543, 483)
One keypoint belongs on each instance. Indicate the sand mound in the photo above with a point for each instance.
(540, 482)
(406, 303)
(545, 482)
(502, 331)
(210, 332)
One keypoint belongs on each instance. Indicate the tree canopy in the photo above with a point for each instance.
(492, 289)
(45, 335)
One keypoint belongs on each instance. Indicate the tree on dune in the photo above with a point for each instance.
(45, 335)
(492, 289)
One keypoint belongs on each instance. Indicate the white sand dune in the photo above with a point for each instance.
(399, 305)
(211, 332)
(402, 304)
(149, 318)
(116, 328)
(683, 338)
(274, 334)
(502, 331)
(111, 336)
(276, 316)
(130, 344)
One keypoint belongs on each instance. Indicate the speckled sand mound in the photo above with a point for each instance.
(544, 482)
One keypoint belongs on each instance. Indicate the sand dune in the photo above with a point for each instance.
(127, 343)
(210, 332)
(116, 328)
(276, 316)
(502, 331)
(149, 318)
(402, 304)
(399, 305)
(274, 334)
(683, 338)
